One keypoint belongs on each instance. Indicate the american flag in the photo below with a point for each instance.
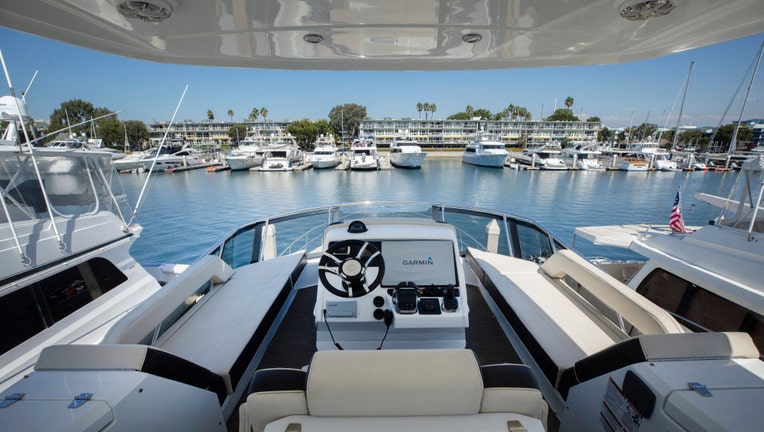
(675, 220)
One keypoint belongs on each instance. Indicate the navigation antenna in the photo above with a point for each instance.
(153, 163)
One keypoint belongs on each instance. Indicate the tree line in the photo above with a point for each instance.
(343, 121)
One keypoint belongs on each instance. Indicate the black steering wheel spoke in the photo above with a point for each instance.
(349, 262)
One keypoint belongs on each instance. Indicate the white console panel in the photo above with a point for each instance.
(417, 294)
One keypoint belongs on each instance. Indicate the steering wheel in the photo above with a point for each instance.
(344, 267)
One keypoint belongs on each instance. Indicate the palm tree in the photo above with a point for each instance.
(254, 114)
(419, 107)
(230, 114)
(264, 112)
(569, 102)
(426, 109)
(210, 115)
(433, 108)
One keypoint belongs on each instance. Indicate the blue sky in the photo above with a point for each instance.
(616, 93)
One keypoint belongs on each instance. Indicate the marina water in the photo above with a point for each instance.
(186, 213)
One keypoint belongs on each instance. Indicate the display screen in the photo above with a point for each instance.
(425, 262)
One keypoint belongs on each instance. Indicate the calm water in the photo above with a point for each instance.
(186, 213)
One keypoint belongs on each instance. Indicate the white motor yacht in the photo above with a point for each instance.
(363, 155)
(281, 154)
(583, 156)
(175, 154)
(485, 150)
(324, 154)
(248, 154)
(396, 316)
(657, 157)
(541, 156)
(405, 151)
(632, 162)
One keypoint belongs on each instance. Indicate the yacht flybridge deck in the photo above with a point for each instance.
(390, 341)
(407, 315)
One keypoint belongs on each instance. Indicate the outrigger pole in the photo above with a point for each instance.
(148, 176)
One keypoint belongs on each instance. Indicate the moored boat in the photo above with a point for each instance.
(485, 150)
(66, 273)
(281, 154)
(542, 156)
(405, 151)
(582, 155)
(363, 155)
(175, 154)
(248, 154)
(325, 153)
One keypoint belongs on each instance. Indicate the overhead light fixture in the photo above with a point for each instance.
(641, 10)
(472, 37)
(148, 11)
(313, 38)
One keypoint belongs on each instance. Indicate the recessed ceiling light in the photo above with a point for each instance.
(472, 37)
(313, 38)
(641, 10)
(148, 11)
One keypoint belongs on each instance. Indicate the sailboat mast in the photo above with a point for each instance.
(733, 141)
(681, 107)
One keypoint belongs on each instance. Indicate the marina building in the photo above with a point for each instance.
(434, 133)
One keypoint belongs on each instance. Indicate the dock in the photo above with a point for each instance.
(192, 167)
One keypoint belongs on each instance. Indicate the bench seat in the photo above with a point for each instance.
(561, 328)
(225, 326)
(438, 389)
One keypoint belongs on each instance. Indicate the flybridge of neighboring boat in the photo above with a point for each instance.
(65, 269)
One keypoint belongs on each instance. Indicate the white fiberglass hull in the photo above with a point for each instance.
(364, 164)
(171, 162)
(553, 164)
(407, 160)
(322, 163)
(276, 164)
(128, 163)
(624, 165)
(237, 163)
(486, 160)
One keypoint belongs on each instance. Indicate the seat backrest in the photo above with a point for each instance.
(645, 316)
(140, 323)
(394, 383)
(391, 383)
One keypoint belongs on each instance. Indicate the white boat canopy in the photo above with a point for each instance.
(387, 35)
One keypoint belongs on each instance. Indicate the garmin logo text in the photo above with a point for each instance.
(419, 262)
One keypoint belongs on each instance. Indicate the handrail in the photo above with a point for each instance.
(437, 211)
